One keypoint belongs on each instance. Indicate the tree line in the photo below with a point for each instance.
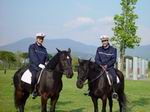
(11, 60)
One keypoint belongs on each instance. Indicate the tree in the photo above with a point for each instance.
(149, 65)
(50, 56)
(125, 29)
(24, 58)
(7, 57)
(75, 63)
(24, 55)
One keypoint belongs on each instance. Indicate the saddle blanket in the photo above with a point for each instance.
(26, 77)
(109, 81)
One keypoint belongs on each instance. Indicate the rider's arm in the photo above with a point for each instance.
(97, 58)
(32, 56)
(113, 59)
(47, 57)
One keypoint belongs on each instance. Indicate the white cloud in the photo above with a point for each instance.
(81, 21)
(93, 29)
(90, 33)
(96, 28)
(107, 19)
(78, 22)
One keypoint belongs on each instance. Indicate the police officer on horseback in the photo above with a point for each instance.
(106, 56)
(38, 56)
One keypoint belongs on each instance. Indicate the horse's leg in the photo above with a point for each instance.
(110, 103)
(20, 99)
(104, 102)
(24, 98)
(53, 103)
(94, 99)
(44, 99)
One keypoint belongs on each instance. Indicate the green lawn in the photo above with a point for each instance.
(72, 99)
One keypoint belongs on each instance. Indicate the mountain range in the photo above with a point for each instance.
(78, 49)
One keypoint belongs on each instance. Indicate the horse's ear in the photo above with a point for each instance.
(69, 50)
(58, 50)
(90, 59)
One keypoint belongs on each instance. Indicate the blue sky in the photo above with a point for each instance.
(80, 20)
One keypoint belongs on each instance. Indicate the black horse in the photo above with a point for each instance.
(99, 86)
(50, 83)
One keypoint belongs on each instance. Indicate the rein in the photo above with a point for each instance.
(96, 77)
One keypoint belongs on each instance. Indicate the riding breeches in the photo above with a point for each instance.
(112, 72)
(34, 76)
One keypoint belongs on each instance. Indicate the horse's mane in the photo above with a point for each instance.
(53, 62)
(94, 66)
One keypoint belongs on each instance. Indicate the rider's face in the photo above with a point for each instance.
(105, 43)
(40, 40)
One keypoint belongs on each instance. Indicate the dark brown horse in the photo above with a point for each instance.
(99, 86)
(50, 83)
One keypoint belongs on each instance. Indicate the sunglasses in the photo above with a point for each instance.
(104, 40)
(40, 38)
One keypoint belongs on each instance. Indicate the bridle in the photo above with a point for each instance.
(104, 71)
(95, 78)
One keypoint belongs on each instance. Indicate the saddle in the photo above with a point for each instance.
(27, 76)
(110, 79)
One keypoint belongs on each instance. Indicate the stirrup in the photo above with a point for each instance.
(114, 95)
(34, 94)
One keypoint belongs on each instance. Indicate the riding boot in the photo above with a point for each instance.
(34, 93)
(114, 94)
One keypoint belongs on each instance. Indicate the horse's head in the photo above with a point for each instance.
(83, 70)
(66, 62)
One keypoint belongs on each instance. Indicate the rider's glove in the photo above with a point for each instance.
(42, 66)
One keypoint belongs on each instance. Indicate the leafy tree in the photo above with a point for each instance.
(24, 55)
(125, 29)
(24, 58)
(149, 65)
(7, 58)
(50, 56)
(75, 63)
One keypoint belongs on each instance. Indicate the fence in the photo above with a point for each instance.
(136, 68)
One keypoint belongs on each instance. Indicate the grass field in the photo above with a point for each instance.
(72, 99)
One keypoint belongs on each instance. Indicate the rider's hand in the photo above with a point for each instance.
(42, 66)
(105, 66)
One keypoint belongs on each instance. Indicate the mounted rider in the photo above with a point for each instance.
(38, 56)
(106, 56)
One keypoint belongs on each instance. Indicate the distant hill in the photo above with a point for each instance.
(78, 49)
(141, 51)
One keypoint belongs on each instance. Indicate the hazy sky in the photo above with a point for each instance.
(80, 20)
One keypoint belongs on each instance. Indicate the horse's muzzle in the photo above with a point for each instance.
(79, 84)
(69, 75)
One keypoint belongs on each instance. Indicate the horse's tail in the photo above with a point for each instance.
(16, 81)
(123, 95)
(124, 101)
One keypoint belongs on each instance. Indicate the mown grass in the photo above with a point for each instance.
(72, 99)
